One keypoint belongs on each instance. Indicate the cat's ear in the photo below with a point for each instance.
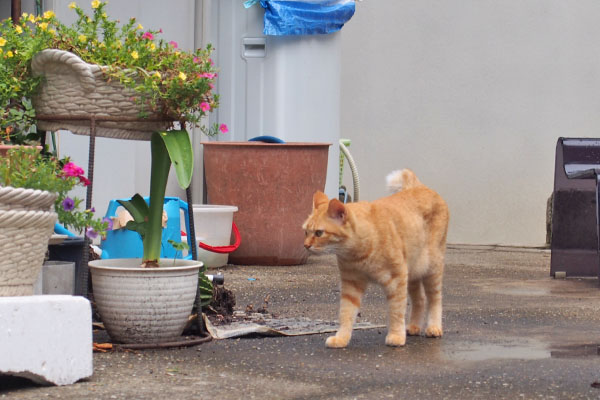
(319, 198)
(337, 211)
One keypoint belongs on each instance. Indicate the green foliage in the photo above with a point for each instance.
(139, 211)
(173, 83)
(25, 167)
(205, 289)
(179, 247)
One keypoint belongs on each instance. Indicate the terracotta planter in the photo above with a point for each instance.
(272, 185)
(144, 305)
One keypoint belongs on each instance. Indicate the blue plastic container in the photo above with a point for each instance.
(123, 243)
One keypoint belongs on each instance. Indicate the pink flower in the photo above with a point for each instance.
(85, 181)
(211, 85)
(208, 75)
(70, 169)
(148, 35)
(173, 43)
(204, 106)
(223, 128)
(197, 60)
(160, 30)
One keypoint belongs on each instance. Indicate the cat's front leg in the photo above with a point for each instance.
(351, 296)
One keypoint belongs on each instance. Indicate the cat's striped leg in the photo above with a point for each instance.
(433, 291)
(396, 291)
(351, 296)
(417, 308)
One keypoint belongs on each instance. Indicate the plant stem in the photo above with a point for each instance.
(161, 164)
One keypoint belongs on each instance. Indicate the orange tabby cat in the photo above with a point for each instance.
(398, 242)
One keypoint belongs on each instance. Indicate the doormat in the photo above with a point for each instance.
(267, 325)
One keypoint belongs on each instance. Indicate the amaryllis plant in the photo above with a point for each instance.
(25, 167)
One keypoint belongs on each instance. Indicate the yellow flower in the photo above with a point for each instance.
(182, 76)
(9, 54)
(135, 55)
(1, 51)
(157, 74)
(25, 15)
(19, 29)
(49, 14)
(102, 45)
(2, 41)
(52, 32)
(72, 5)
(152, 46)
(43, 26)
(31, 18)
(104, 15)
(82, 38)
(95, 4)
(140, 27)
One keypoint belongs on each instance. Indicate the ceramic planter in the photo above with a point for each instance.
(144, 305)
(272, 185)
(27, 220)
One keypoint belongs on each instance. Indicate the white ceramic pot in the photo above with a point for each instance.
(144, 305)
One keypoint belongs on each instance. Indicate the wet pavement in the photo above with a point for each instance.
(511, 331)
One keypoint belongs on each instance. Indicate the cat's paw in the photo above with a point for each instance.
(413, 330)
(393, 339)
(434, 331)
(336, 342)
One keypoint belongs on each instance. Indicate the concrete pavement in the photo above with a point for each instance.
(511, 331)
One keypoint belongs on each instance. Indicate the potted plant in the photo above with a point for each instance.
(34, 193)
(166, 86)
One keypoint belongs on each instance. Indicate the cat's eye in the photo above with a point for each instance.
(318, 233)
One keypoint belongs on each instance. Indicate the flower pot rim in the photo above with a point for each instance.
(263, 144)
(166, 265)
(214, 208)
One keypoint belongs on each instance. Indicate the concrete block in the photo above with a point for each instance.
(56, 277)
(47, 339)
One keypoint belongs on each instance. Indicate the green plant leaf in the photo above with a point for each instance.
(137, 207)
(179, 146)
(205, 289)
(139, 227)
(179, 246)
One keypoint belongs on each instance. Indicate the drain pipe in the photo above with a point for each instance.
(355, 180)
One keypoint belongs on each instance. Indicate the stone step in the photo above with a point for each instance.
(47, 339)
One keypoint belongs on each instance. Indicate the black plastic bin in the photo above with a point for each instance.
(71, 249)
(575, 247)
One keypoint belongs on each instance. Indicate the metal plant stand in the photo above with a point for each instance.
(82, 275)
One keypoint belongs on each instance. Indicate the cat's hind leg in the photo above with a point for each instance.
(351, 296)
(417, 300)
(433, 291)
(396, 293)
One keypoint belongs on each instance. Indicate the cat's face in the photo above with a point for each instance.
(326, 227)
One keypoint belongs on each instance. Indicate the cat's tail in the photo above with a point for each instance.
(401, 179)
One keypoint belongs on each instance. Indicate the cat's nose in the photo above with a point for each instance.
(307, 245)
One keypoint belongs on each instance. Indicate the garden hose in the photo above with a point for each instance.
(352, 164)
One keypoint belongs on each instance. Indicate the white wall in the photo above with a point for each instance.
(472, 95)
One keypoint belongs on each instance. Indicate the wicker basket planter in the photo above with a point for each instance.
(74, 88)
(27, 220)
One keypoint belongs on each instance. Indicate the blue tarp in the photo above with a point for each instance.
(305, 17)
